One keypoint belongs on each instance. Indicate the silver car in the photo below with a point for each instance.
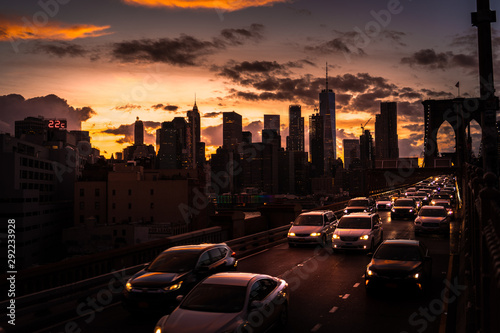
(230, 302)
(432, 219)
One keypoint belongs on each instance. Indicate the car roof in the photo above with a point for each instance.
(431, 207)
(194, 247)
(412, 242)
(358, 214)
(232, 278)
(316, 212)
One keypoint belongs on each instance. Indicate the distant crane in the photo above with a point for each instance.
(363, 126)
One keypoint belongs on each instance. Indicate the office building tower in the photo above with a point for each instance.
(386, 131)
(246, 136)
(231, 130)
(316, 144)
(195, 146)
(272, 121)
(138, 132)
(172, 139)
(366, 153)
(327, 110)
(351, 151)
(295, 139)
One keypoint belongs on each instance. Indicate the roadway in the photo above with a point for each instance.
(326, 290)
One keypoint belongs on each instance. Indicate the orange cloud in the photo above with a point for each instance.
(229, 5)
(12, 30)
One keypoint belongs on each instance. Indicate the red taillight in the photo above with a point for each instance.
(233, 254)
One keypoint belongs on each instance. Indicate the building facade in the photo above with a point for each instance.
(386, 131)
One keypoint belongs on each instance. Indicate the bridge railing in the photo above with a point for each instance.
(481, 243)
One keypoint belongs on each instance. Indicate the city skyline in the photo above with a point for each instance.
(149, 62)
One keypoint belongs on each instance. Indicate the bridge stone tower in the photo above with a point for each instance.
(459, 112)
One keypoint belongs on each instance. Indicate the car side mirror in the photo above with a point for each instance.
(179, 298)
(291, 223)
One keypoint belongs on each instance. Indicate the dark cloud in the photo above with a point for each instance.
(127, 107)
(428, 58)
(255, 127)
(410, 111)
(60, 49)
(415, 127)
(431, 94)
(168, 107)
(15, 107)
(353, 43)
(342, 135)
(213, 135)
(184, 50)
(212, 114)
(127, 130)
(305, 12)
(412, 146)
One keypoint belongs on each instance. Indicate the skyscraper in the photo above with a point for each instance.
(172, 141)
(295, 139)
(327, 110)
(195, 146)
(231, 130)
(366, 153)
(386, 131)
(351, 151)
(138, 132)
(272, 121)
(316, 144)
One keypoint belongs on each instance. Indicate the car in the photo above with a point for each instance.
(360, 204)
(173, 272)
(358, 231)
(314, 227)
(399, 263)
(404, 208)
(383, 203)
(450, 193)
(230, 302)
(446, 204)
(432, 219)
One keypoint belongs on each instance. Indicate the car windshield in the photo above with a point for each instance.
(397, 252)
(351, 222)
(383, 199)
(309, 220)
(444, 204)
(358, 202)
(403, 203)
(174, 262)
(432, 212)
(215, 298)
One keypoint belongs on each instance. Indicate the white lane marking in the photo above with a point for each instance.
(316, 328)
(356, 285)
(332, 310)
(254, 254)
(346, 296)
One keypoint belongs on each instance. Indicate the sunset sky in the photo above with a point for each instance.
(106, 62)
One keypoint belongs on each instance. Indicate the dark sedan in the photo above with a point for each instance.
(404, 208)
(399, 263)
(175, 271)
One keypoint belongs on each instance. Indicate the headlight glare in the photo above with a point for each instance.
(128, 286)
(291, 234)
(335, 236)
(173, 286)
(315, 234)
(364, 237)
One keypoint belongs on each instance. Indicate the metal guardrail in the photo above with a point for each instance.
(482, 250)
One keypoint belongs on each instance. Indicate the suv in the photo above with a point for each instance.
(361, 204)
(314, 227)
(173, 272)
(361, 231)
(404, 208)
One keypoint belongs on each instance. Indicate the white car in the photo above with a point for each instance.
(358, 231)
(432, 219)
(230, 302)
(384, 203)
(315, 227)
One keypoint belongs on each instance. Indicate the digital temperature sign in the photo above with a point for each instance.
(57, 123)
